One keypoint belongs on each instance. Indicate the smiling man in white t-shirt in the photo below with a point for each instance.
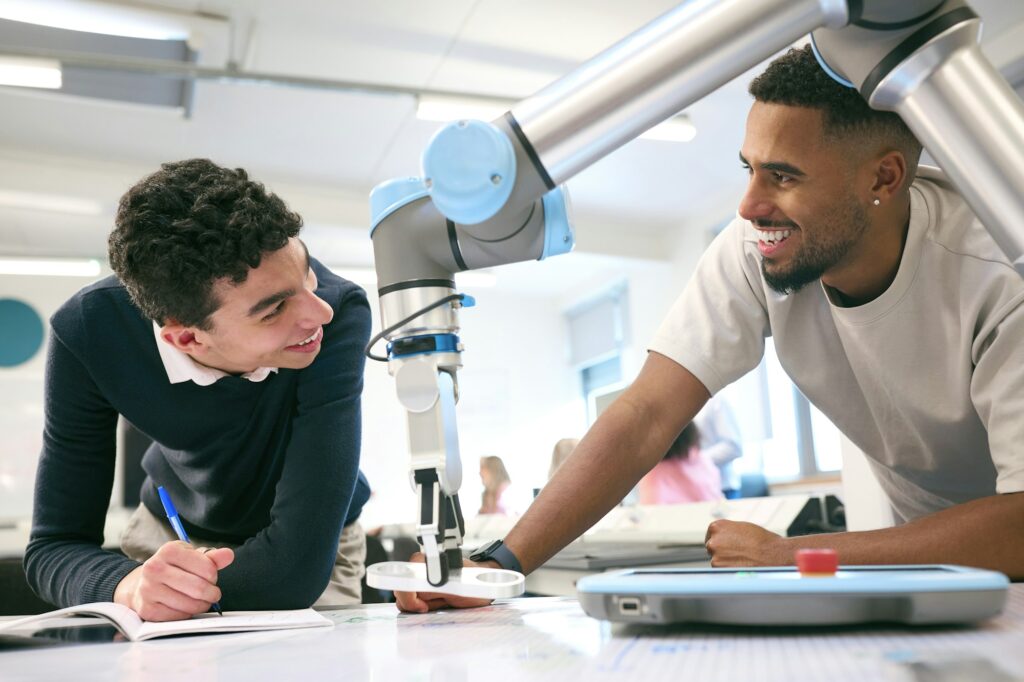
(892, 310)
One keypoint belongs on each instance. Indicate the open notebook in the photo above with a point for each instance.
(137, 630)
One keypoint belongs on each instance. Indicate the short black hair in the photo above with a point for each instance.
(188, 225)
(687, 438)
(796, 79)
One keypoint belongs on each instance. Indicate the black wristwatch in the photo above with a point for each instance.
(498, 552)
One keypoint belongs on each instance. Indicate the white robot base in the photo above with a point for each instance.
(483, 583)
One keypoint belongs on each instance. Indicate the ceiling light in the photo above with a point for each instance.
(97, 17)
(26, 72)
(367, 277)
(63, 267)
(55, 203)
(431, 108)
(437, 108)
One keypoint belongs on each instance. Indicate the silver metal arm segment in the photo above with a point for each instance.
(490, 192)
(931, 72)
(656, 72)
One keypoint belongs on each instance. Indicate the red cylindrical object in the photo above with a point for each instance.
(817, 561)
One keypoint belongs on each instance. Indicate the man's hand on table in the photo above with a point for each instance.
(741, 544)
(421, 602)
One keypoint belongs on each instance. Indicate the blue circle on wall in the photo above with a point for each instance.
(21, 332)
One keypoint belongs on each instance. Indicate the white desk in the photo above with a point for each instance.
(640, 525)
(535, 640)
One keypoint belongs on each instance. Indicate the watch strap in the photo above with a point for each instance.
(499, 553)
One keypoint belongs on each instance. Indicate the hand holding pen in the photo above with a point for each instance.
(176, 583)
(179, 530)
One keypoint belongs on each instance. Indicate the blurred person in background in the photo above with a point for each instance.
(563, 448)
(683, 475)
(496, 481)
(720, 442)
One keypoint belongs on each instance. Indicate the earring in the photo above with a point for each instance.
(877, 202)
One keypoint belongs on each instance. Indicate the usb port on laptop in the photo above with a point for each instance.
(629, 606)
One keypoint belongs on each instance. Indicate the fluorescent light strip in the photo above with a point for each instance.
(367, 277)
(56, 203)
(97, 17)
(455, 108)
(431, 108)
(50, 267)
(25, 72)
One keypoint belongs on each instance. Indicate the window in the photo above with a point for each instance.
(597, 381)
(800, 440)
(597, 327)
(596, 337)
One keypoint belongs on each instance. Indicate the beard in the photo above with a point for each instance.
(820, 250)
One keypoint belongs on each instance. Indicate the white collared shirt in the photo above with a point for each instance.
(181, 367)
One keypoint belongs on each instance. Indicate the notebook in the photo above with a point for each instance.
(135, 629)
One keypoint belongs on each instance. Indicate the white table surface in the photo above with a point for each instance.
(541, 639)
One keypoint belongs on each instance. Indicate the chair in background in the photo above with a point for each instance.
(16, 597)
(753, 484)
(375, 554)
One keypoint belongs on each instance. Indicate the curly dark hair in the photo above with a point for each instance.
(188, 225)
(796, 79)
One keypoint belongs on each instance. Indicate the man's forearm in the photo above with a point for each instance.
(625, 443)
(585, 488)
(985, 533)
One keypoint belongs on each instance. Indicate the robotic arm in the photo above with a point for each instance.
(491, 192)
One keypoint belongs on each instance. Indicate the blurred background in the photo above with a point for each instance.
(323, 99)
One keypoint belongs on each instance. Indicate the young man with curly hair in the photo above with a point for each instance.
(891, 308)
(241, 357)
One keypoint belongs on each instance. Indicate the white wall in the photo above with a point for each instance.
(21, 393)
(518, 396)
(867, 507)
(650, 290)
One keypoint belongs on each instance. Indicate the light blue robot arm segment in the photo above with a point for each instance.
(559, 236)
(470, 169)
(391, 195)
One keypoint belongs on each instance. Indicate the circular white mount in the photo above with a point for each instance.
(416, 383)
(483, 583)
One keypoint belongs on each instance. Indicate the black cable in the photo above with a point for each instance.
(399, 325)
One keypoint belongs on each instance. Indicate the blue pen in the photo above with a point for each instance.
(172, 516)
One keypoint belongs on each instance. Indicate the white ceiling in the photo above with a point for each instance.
(324, 150)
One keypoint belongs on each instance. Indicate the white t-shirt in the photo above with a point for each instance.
(927, 379)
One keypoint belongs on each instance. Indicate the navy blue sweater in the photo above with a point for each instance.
(273, 465)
